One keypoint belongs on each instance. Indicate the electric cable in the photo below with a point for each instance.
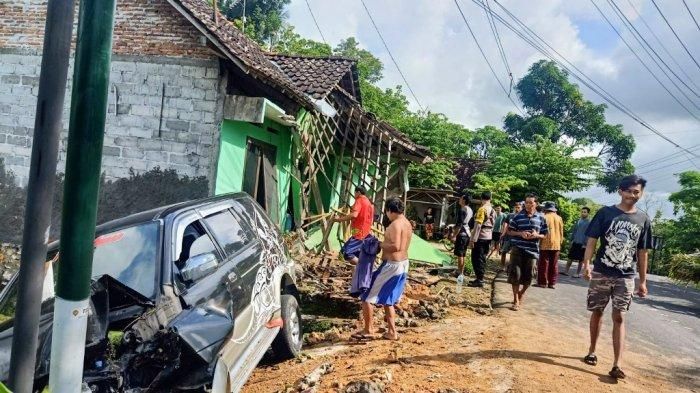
(674, 33)
(316, 22)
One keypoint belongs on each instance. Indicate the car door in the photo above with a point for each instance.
(208, 318)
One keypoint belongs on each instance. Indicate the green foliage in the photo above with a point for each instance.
(500, 187)
(685, 268)
(264, 18)
(549, 169)
(12, 201)
(368, 66)
(289, 42)
(687, 200)
(558, 112)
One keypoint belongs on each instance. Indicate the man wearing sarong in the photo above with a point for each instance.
(389, 280)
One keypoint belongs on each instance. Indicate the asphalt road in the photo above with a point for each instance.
(666, 322)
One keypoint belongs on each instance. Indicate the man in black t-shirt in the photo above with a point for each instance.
(625, 235)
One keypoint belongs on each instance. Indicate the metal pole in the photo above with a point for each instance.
(83, 163)
(40, 190)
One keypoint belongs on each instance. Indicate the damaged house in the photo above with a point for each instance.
(190, 92)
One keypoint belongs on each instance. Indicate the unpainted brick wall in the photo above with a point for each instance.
(142, 27)
(160, 114)
(164, 101)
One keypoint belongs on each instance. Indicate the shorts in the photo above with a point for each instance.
(388, 284)
(520, 268)
(603, 288)
(576, 252)
(496, 237)
(461, 245)
(505, 247)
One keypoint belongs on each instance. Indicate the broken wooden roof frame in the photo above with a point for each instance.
(351, 141)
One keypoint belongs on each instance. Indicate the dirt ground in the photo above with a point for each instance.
(472, 349)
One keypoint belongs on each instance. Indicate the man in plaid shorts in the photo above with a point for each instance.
(625, 235)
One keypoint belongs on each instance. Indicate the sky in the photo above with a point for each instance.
(444, 68)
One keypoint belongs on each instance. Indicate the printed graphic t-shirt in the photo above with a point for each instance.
(362, 224)
(621, 235)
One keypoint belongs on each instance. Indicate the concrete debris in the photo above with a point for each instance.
(309, 384)
(363, 387)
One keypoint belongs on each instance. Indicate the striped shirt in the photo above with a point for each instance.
(522, 222)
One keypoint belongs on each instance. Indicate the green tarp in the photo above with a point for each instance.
(420, 250)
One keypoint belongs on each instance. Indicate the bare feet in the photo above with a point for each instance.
(390, 337)
(515, 306)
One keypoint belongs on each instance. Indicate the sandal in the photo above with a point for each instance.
(361, 336)
(617, 373)
(591, 359)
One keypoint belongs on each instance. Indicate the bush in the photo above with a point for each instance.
(685, 268)
(117, 198)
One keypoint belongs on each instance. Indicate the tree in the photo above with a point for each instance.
(368, 66)
(264, 18)
(558, 112)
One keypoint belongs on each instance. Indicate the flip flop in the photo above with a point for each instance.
(591, 359)
(362, 336)
(617, 373)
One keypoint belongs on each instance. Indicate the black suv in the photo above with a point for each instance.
(184, 297)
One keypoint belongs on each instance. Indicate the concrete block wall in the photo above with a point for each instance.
(164, 102)
(163, 112)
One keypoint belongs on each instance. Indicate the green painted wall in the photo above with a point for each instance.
(234, 136)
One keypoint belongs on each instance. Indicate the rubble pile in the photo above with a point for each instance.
(331, 313)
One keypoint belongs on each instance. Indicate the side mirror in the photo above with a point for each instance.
(199, 266)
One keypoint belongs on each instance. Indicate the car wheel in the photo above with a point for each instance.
(288, 342)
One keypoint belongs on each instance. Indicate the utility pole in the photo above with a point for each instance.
(40, 190)
(83, 164)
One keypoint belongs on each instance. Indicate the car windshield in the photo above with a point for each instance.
(127, 255)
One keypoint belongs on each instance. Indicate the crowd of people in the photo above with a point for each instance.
(528, 239)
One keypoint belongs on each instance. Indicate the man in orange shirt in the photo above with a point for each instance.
(360, 217)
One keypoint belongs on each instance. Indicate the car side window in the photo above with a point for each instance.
(226, 229)
(195, 241)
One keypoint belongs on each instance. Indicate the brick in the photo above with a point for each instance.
(30, 80)
(212, 73)
(26, 70)
(111, 151)
(177, 125)
(159, 156)
(123, 109)
(191, 116)
(211, 95)
(18, 140)
(173, 91)
(168, 135)
(204, 84)
(6, 69)
(194, 93)
(142, 110)
(133, 153)
(11, 79)
(174, 147)
(125, 142)
(139, 132)
(3, 138)
(188, 137)
(22, 131)
(204, 106)
(149, 144)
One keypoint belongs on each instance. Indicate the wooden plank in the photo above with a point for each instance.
(386, 174)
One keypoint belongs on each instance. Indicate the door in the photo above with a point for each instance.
(260, 178)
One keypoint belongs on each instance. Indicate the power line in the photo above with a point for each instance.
(607, 96)
(691, 14)
(316, 22)
(666, 158)
(644, 44)
(674, 32)
(464, 18)
(501, 50)
(390, 55)
(623, 18)
(660, 42)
